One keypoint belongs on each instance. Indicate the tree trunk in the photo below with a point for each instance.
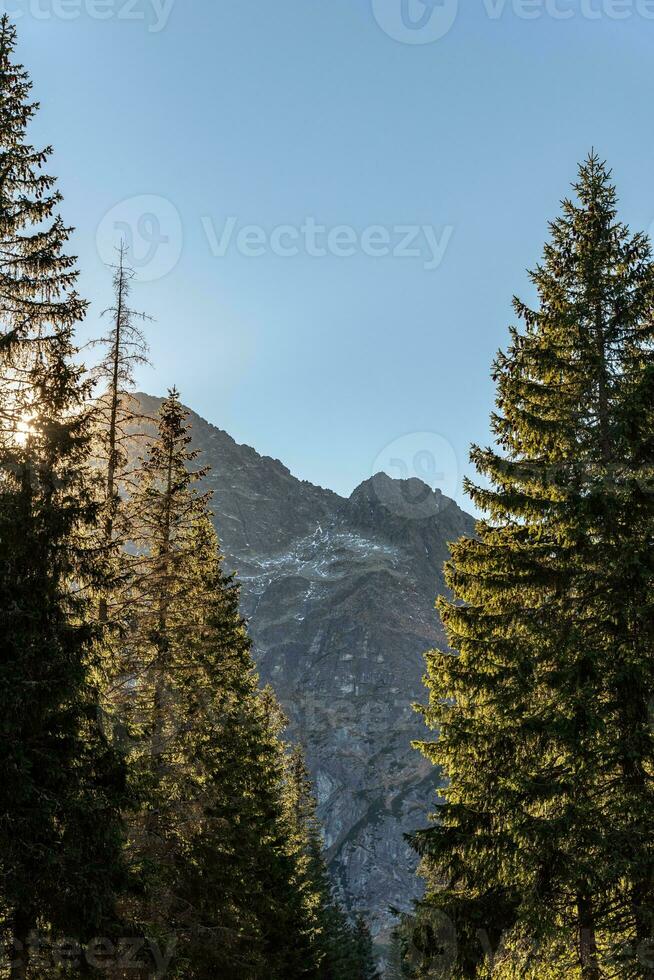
(22, 926)
(588, 958)
(641, 903)
(113, 435)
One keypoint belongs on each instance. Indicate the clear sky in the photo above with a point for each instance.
(180, 122)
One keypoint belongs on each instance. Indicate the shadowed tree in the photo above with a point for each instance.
(62, 785)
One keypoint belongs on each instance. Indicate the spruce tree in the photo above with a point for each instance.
(165, 508)
(306, 849)
(542, 704)
(395, 966)
(242, 905)
(213, 839)
(61, 783)
(338, 948)
(367, 965)
(119, 424)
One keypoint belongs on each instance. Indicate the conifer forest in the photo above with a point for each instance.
(170, 807)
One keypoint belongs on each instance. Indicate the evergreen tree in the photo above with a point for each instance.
(542, 711)
(306, 848)
(395, 968)
(61, 783)
(119, 422)
(367, 965)
(338, 948)
(118, 427)
(213, 840)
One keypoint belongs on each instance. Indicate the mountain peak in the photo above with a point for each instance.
(410, 499)
(339, 597)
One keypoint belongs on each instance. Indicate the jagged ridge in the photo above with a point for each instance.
(340, 598)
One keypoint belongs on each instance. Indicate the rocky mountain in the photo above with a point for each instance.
(339, 594)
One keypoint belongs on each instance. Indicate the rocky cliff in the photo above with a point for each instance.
(339, 594)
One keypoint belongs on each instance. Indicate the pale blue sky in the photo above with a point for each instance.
(273, 112)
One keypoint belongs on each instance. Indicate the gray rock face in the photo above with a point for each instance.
(339, 595)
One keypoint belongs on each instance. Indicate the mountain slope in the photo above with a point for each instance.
(339, 594)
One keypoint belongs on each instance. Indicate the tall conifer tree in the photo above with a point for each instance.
(339, 949)
(61, 784)
(306, 849)
(214, 840)
(542, 710)
(119, 422)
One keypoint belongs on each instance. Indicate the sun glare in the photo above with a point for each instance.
(23, 430)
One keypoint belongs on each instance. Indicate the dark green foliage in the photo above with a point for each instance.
(339, 949)
(306, 850)
(367, 966)
(542, 711)
(349, 948)
(395, 967)
(226, 840)
(61, 784)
